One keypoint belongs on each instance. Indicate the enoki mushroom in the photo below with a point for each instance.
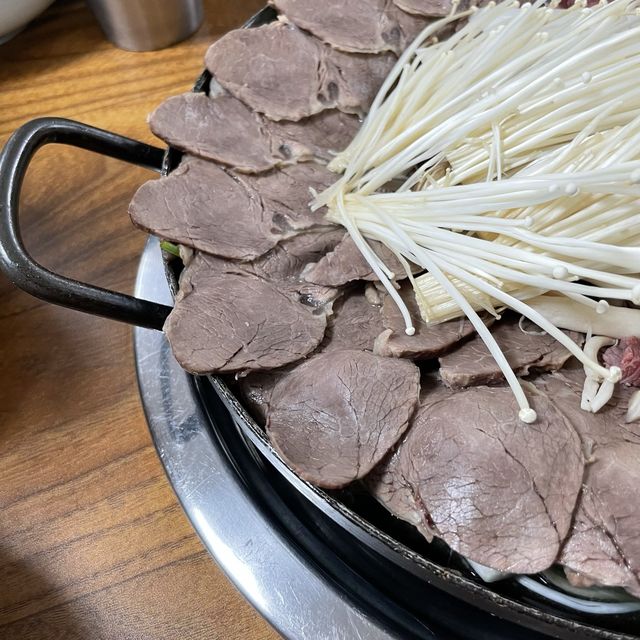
(513, 148)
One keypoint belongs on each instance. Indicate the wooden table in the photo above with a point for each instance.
(93, 543)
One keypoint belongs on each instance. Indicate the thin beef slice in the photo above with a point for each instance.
(353, 324)
(227, 320)
(391, 489)
(604, 545)
(339, 414)
(321, 136)
(607, 427)
(498, 491)
(200, 205)
(285, 263)
(223, 129)
(429, 341)
(282, 72)
(387, 482)
(472, 363)
(435, 8)
(282, 266)
(219, 128)
(361, 26)
(287, 193)
(255, 391)
(346, 263)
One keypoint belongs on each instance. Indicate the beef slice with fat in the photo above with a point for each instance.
(429, 341)
(257, 66)
(224, 129)
(228, 320)
(498, 491)
(200, 205)
(361, 26)
(472, 363)
(336, 416)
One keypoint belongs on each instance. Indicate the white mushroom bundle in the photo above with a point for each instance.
(505, 161)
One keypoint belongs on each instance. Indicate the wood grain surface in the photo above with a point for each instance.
(93, 543)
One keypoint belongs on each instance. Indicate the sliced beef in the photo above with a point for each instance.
(607, 427)
(286, 262)
(435, 8)
(256, 389)
(626, 355)
(604, 545)
(279, 70)
(362, 26)
(429, 341)
(354, 324)
(339, 413)
(388, 483)
(321, 136)
(345, 264)
(228, 320)
(498, 491)
(223, 129)
(220, 128)
(392, 490)
(287, 193)
(601, 546)
(283, 266)
(473, 364)
(202, 206)
(361, 77)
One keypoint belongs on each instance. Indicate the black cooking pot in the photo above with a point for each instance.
(377, 542)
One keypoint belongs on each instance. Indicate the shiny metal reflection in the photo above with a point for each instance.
(145, 25)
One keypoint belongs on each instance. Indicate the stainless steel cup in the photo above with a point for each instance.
(145, 25)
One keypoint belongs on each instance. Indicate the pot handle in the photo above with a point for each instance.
(15, 261)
